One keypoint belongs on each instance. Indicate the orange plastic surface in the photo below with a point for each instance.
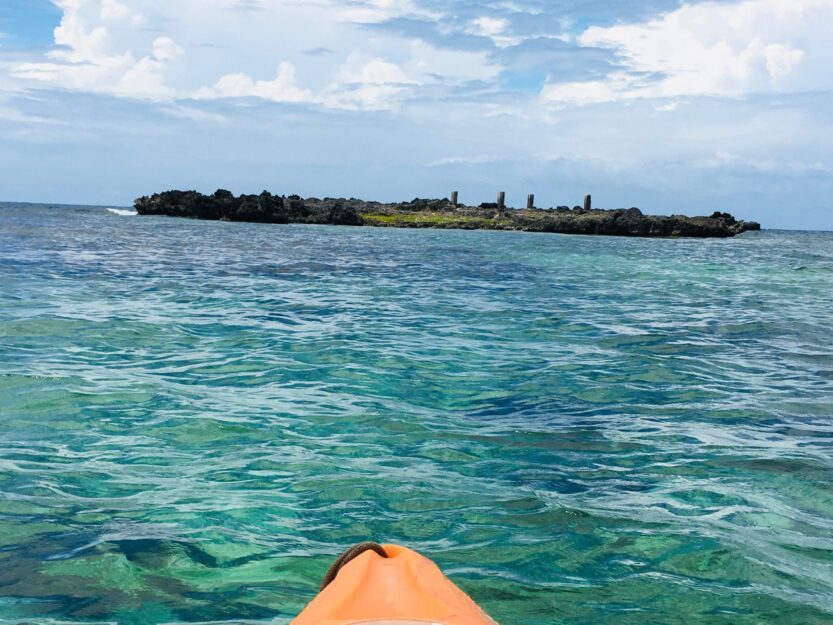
(403, 589)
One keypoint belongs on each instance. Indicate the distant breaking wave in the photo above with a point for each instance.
(125, 212)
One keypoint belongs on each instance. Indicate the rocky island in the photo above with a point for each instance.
(442, 213)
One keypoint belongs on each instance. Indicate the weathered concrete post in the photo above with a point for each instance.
(454, 199)
(501, 201)
(530, 201)
(588, 203)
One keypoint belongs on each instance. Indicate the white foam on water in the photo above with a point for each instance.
(125, 212)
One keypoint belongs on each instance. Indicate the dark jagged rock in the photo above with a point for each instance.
(263, 208)
(425, 213)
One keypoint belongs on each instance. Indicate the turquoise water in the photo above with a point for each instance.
(196, 417)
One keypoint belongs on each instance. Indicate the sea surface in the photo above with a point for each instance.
(197, 417)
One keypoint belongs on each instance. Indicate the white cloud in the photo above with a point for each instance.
(112, 10)
(375, 11)
(375, 72)
(78, 42)
(282, 88)
(479, 159)
(495, 29)
(146, 77)
(586, 92)
(165, 49)
(86, 66)
(711, 49)
(158, 50)
(368, 84)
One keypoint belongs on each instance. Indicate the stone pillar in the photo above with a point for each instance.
(588, 203)
(530, 201)
(454, 199)
(501, 201)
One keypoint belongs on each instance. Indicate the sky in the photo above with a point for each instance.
(674, 107)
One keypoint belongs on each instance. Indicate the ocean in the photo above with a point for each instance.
(197, 417)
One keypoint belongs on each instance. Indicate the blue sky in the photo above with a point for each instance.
(673, 107)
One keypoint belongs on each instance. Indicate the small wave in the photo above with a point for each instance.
(125, 212)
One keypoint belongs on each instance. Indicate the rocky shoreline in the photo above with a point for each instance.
(420, 213)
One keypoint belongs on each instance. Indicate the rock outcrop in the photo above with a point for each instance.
(422, 213)
(263, 208)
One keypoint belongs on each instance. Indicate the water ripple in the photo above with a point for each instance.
(196, 417)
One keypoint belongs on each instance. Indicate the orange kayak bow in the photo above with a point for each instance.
(374, 584)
